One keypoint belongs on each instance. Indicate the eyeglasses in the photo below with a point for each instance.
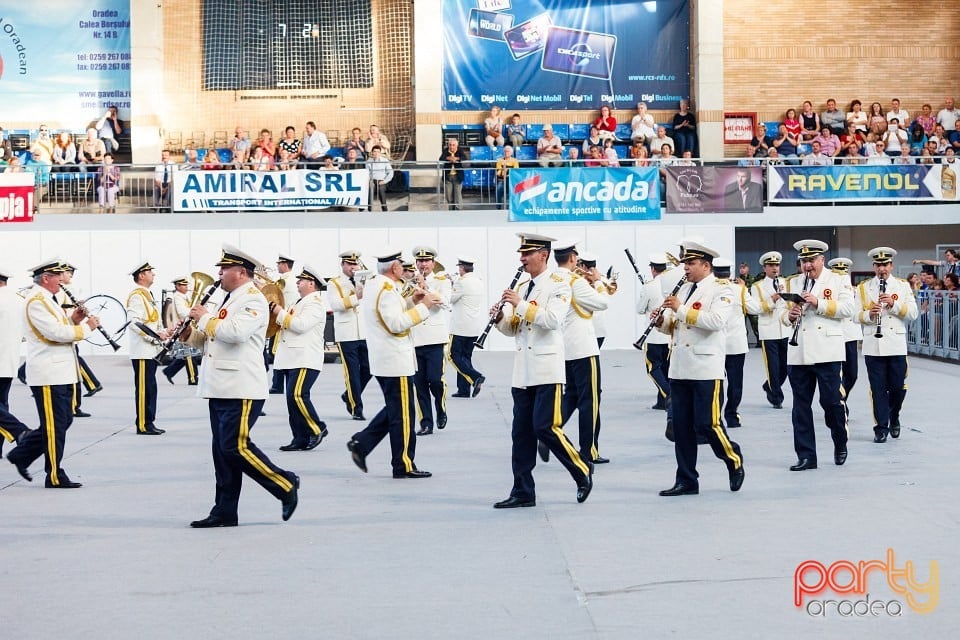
(42, 130)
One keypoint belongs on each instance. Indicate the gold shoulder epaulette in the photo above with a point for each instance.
(723, 280)
(556, 277)
(387, 286)
(253, 290)
(440, 276)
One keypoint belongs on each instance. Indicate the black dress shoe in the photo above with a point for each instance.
(315, 440)
(879, 435)
(659, 406)
(600, 460)
(359, 458)
(543, 450)
(151, 431)
(358, 416)
(22, 379)
(585, 486)
(289, 502)
(79, 413)
(416, 473)
(803, 464)
(212, 521)
(97, 389)
(425, 431)
(839, 455)
(65, 483)
(441, 421)
(736, 478)
(274, 391)
(895, 427)
(513, 502)
(680, 489)
(460, 395)
(22, 469)
(668, 432)
(293, 446)
(192, 384)
(170, 380)
(477, 385)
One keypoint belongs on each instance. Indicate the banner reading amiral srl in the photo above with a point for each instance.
(16, 197)
(696, 189)
(584, 193)
(864, 182)
(292, 190)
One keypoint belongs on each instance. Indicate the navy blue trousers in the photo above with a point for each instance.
(145, 392)
(805, 380)
(55, 408)
(302, 415)
(461, 356)
(696, 408)
(658, 364)
(429, 382)
(850, 368)
(356, 372)
(396, 419)
(775, 363)
(888, 387)
(582, 394)
(733, 364)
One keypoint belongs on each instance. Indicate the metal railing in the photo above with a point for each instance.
(936, 332)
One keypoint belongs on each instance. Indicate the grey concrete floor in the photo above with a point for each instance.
(367, 556)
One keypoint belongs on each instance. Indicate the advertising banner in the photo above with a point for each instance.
(864, 182)
(565, 54)
(269, 190)
(72, 57)
(714, 189)
(16, 197)
(584, 193)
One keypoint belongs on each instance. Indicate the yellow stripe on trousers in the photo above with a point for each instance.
(557, 429)
(243, 437)
(646, 359)
(595, 403)
(141, 395)
(87, 380)
(6, 435)
(346, 380)
(406, 427)
(449, 355)
(766, 365)
(50, 432)
(715, 425)
(301, 405)
(191, 370)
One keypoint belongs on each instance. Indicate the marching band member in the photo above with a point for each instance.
(393, 361)
(466, 324)
(587, 262)
(429, 339)
(87, 377)
(696, 318)
(233, 380)
(300, 358)
(852, 334)
(343, 296)
(887, 304)
(815, 356)
(11, 319)
(141, 307)
(773, 334)
(657, 346)
(533, 315)
(181, 310)
(288, 284)
(736, 346)
(51, 372)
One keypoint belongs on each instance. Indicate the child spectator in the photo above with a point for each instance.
(110, 183)
(381, 173)
(493, 126)
(516, 132)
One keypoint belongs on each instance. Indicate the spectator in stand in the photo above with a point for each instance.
(64, 153)
(549, 148)
(792, 123)
(355, 142)
(914, 280)
(773, 157)
(851, 155)
(894, 137)
(493, 127)
(685, 129)
(642, 126)
(751, 160)
(904, 157)
(686, 160)
(816, 157)
(605, 123)
(877, 119)
(6, 148)
(948, 116)
(329, 164)
(610, 153)
(240, 147)
(36, 165)
(869, 147)
(639, 154)
(573, 155)
(661, 139)
(926, 119)
(833, 118)
(211, 161)
(902, 115)
(516, 132)
(786, 144)
(926, 157)
(857, 117)
(91, 149)
(381, 173)
(289, 149)
(261, 160)
(940, 136)
(191, 161)
(951, 282)
(880, 156)
(596, 157)
(13, 166)
(110, 183)
(375, 137)
(950, 262)
(829, 142)
(917, 139)
(666, 159)
(761, 142)
(267, 146)
(43, 145)
(162, 179)
(809, 121)
(853, 138)
(353, 160)
(315, 144)
(593, 140)
(237, 162)
(109, 127)
(451, 167)
(504, 165)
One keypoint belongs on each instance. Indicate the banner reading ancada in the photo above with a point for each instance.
(16, 197)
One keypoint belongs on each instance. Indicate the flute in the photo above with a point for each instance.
(653, 321)
(113, 343)
(493, 316)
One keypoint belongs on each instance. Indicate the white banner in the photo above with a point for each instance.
(269, 190)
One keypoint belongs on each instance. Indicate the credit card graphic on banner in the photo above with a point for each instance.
(579, 53)
(492, 26)
(528, 37)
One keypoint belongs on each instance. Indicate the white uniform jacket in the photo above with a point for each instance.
(180, 307)
(851, 328)
(600, 315)
(821, 332)
(288, 282)
(736, 329)
(579, 337)
(698, 327)
(342, 297)
(301, 334)
(388, 322)
(537, 325)
(232, 365)
(469, 317)
(11, 334)
(142, 308)
(51, 358)
(649, 298)
(435, 329)
(894, 320)
(769, 310)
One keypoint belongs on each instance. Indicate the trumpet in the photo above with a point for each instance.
(883, 290)
(808, 283)
(610, 281)
(493, 316)
(106, 336)
(417, 284)
(656, 318)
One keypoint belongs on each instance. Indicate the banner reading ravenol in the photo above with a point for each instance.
(863, 182)
(269, 190)
(584, 193)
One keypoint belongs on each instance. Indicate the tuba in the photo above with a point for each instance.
(272, 290)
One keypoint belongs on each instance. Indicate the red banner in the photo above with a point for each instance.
(16, 197)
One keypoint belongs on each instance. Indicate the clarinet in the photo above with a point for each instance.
(113, 343)
(883, 290)
(633, 263)
(493, 316)
(653, 321)
(167, 346)
(808, 283)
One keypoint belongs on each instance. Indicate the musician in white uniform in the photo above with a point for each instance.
(300, 357)
(388, 320)
(11, 336)
(467, 321)
(588, 264)
(141, 307)
(533, 315)
(657, 345)
(343, 296)
(88, 379)
(696, 318)
(773, 334)
(815, 361)
(288, 284)
(736, 346)
(51, 373)
(852, 335)
(181, 309)
(885, 304)
(430, 338)
(234, 381)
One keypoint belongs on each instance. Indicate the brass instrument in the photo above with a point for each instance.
(656, 318)
(272, 290)
(610, 282)
(672, 259)
(203, 288)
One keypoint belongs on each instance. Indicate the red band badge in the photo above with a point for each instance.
(533, 303)
(827, 293)
(895, 297)
(223, 314)
(696, 306)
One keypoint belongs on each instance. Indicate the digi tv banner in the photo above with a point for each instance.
(584, 193)
(565, 54)
(864, 182)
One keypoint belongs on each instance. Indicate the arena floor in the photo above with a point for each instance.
(367, 556)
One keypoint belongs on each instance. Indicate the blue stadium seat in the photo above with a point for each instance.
(477, 178)
(772, 128)
(480, 153)
(623, 131)
(525, 153)
(562, 131)
(623, 151)
(226, 156)
(579, 132)
(534, 132)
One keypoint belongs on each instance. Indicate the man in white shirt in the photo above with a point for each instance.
(163, 180)
(948, 116)
(816, 158)
(315, 145)
(902, 115)
(642, 126)
(656, 145)
(880, 157)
